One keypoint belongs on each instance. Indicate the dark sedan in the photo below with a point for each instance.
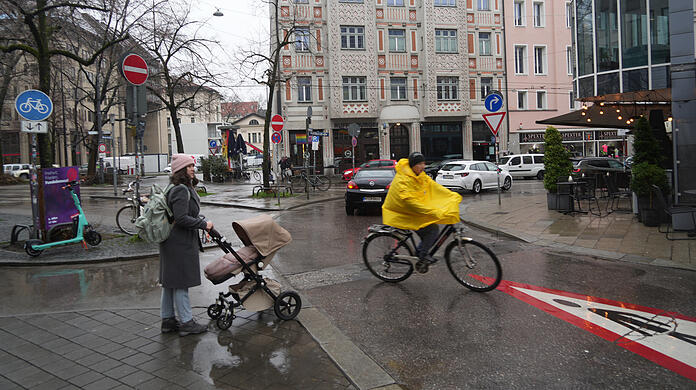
(368, 188)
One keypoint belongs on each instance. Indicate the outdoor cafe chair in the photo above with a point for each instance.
(586, 191)
(671, 211)
(615, 194)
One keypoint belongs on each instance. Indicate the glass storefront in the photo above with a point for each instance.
(580, 143)
(440, 139)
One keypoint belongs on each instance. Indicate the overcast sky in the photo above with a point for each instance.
(244, 24)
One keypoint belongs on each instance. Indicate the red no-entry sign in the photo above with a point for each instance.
(277, 122)
(134, 69)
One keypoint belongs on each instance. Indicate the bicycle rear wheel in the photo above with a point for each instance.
(322, 183)
(297, 183)
(125, 219)
(256, 175)
(378, 251)
(473, 265)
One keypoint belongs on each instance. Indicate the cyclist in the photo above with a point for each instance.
(285, 166)
(416, 202)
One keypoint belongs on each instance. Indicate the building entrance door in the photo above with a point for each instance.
(398, 142)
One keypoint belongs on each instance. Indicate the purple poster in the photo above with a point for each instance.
(59, 206)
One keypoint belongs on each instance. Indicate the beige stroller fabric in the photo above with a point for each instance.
(263, 233)
(259, 300)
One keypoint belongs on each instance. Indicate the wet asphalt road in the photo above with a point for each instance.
(428, 332)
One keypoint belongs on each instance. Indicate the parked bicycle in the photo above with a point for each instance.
(389, 254)
(246, 175)
(126, 216)
(303, 182)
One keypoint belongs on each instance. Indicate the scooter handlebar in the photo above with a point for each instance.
(70, 184)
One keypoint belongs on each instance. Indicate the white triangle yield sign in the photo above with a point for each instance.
(493, 120)
(665, 338)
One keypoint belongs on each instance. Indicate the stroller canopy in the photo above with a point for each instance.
(263, 233)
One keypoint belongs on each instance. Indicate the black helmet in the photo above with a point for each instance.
(415, 158)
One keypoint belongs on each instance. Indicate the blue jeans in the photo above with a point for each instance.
(428, 236)
(176, 297)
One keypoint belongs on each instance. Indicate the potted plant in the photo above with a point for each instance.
(205, 167)
(644, 175)
(557, 167)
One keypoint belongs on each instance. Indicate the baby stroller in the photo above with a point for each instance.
(262, 238)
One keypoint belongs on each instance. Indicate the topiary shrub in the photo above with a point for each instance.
(556, 159)
(645, 145)
(644, 175)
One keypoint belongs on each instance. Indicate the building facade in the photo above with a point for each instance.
(411, 74)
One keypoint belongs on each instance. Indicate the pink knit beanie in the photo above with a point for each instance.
(181, 161)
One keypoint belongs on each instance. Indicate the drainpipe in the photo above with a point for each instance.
(507, 95)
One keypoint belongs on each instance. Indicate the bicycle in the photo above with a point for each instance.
(301, 182)
(388, 253)
(126, 215)
(33, 104)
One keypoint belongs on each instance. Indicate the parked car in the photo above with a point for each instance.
(524, 165)
(348, 173)
(368, 188)
(432, 168)
(473, 176)
(17, 170)
(587, 166)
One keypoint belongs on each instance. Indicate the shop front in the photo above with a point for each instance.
(483, 141)
(579, 142)
(367, 147)
(440, 139)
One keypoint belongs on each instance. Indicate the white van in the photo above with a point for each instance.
(524, 165)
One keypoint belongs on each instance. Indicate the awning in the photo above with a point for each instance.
(615, 110)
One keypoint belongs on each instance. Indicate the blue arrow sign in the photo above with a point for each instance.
(493, 102)
(212, 143)
(33, 105)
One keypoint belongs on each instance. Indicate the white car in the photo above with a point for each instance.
(472, 176)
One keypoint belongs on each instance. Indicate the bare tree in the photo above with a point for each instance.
(40, 38)
(183, 57)
(263, 68)
(8, 63)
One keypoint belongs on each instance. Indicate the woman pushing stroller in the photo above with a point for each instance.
(179, 262)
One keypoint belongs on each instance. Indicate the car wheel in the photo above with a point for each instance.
(24, 176)
(349, 209)
(540, 175)
(476, 188)
(507, 183)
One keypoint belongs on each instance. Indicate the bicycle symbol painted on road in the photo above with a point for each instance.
(34, 104)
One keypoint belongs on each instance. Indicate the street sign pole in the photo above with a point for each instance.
(493, 103)
(306, 153)
(114, 170)
(498, 171)
(34, 189)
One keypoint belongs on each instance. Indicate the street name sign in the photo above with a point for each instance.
(34, 127)
(277, 122)
(33, 105)
(493, 120)
(319, 133)
(134, 69)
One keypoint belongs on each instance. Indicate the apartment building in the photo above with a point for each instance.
(412, 74)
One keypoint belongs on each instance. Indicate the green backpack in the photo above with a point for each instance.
(155, 222)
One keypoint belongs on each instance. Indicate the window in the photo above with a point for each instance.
(304, 89)
(397, 40)
(447, 88)
(539, 60)
(484, 43)
(445, 3)
(538, 11)
(571, 97)
(350, 1)
(541, 100)
(352, 37)
(302, 39)
(445, 41)
(521, 100)
(395, 3)
(354, 89)
(486, 86)
(398, 88)
(519, 13)
(253, 122)
(569, 59)
(484, 5)
(253, 138)
(169, 122)
(520, 59)
(569, 15)
(193, 120)
(300, 1)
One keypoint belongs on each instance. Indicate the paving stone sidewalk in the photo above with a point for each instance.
(124, 349)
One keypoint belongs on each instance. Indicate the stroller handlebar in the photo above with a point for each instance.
(214, 233)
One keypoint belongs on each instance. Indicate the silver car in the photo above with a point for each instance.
(473, 176)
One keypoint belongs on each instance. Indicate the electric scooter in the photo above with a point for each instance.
(83, 231)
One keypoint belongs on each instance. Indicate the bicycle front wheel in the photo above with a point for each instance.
(474, 265)
(256, 176)
(322, 183)
(125, 219)
(378, 254)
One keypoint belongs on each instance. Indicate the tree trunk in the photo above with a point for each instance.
(177, 128)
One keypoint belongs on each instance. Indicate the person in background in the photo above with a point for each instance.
(179, 263)
(416, 202)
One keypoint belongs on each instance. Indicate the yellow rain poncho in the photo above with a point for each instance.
(414, 202)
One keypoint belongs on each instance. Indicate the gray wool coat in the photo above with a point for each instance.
(179, 264)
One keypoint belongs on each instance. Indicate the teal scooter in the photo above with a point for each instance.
(81, 228)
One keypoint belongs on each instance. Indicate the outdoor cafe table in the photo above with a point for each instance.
(569, 188)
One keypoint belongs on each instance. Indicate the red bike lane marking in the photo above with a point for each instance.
(663, 337)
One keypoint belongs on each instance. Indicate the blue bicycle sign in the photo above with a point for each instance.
(33, 105)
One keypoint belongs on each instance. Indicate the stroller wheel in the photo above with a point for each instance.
(214, 311)
(224, 322)
(287, 305)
